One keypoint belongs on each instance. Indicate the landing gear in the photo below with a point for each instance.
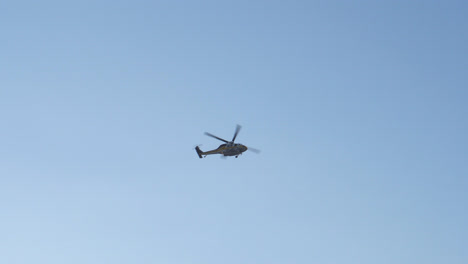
(237, 156)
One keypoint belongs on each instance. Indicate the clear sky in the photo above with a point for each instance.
(359, 108)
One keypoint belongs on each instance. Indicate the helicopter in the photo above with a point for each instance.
(228, 149)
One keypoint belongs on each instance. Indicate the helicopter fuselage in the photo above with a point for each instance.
(231, 149)
(224, 149)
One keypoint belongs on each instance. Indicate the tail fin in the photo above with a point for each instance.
(199, 152)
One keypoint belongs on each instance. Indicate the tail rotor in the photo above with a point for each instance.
(199, 152)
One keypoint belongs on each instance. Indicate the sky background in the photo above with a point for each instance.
(359, 108)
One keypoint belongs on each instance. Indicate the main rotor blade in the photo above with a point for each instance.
(253, 150)
(238, 127)
(218, 138)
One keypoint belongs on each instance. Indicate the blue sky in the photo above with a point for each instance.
(359, 110)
